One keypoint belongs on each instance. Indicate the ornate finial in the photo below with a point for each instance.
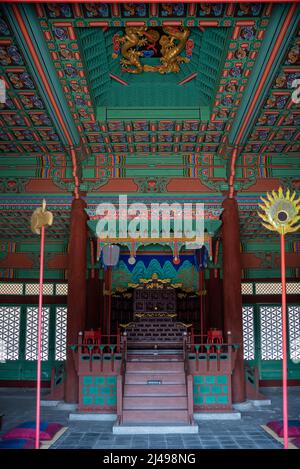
(41, 217)
(281, 212)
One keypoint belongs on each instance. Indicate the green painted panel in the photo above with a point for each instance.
(87, 380)
(151, 113)
(210, 379)
(93, 390)
(210, 399)
(198, 379)
(204, 389)
(222, 379)
(99, 400)
(104, 390)
(216, 389)
(198, 400)
(222, 399)
(87, 400)
(225, 389)
(111, 400)
(85, 390)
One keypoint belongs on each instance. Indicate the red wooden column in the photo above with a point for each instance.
(215, 301)
(232, 291)
(76, 291)
(93, 315)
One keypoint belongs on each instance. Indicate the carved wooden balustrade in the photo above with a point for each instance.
(98, 360)
(211, 366)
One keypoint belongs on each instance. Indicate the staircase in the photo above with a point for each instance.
(156, 394)
(155, 389)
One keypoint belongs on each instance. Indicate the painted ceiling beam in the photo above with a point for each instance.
(42, 69)
(282, 25)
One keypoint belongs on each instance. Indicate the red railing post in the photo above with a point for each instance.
(193, 339)
(119, 398)
(190, 398)
(118, 340)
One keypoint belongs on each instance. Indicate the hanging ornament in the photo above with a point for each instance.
(176, 259)
(201, 258)
(110, 255)
(132, 259)
(281, 212)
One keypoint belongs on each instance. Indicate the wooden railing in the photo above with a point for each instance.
(210, 356)
(252, 382)
(188, 379)
(121, 382)
(100, 350)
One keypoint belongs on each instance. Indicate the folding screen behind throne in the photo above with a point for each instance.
(154, 298)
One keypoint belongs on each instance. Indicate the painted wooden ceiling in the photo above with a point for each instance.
(67, 124)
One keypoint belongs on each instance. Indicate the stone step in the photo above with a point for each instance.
(154, 390)
(155, 403)
(158, 416)
(143, 378)
(154, 428)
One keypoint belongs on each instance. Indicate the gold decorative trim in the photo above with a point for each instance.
(178, 324)
(155, 315)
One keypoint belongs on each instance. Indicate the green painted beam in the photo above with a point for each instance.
(105, 113)
(31, 21)
(277, 19)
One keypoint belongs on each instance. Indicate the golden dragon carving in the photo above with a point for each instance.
(133, 38)
(172, 44)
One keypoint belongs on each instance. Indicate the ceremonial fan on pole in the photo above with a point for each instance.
(281, 214)
(39, 220)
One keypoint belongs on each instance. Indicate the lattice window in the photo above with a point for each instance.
(294, 332)
(248, 332)
(271, 332)
(34, 288)
(61, 333)
(11, 288)
(10, 331)
(32, 330)
(61, 289)
(275, 288)
(293, 288)
(268, 288)
(247, 288)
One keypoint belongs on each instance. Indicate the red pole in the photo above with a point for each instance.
(104, 302)
(109, 301)
(284, 346)
(39, 342)
(201, 304)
